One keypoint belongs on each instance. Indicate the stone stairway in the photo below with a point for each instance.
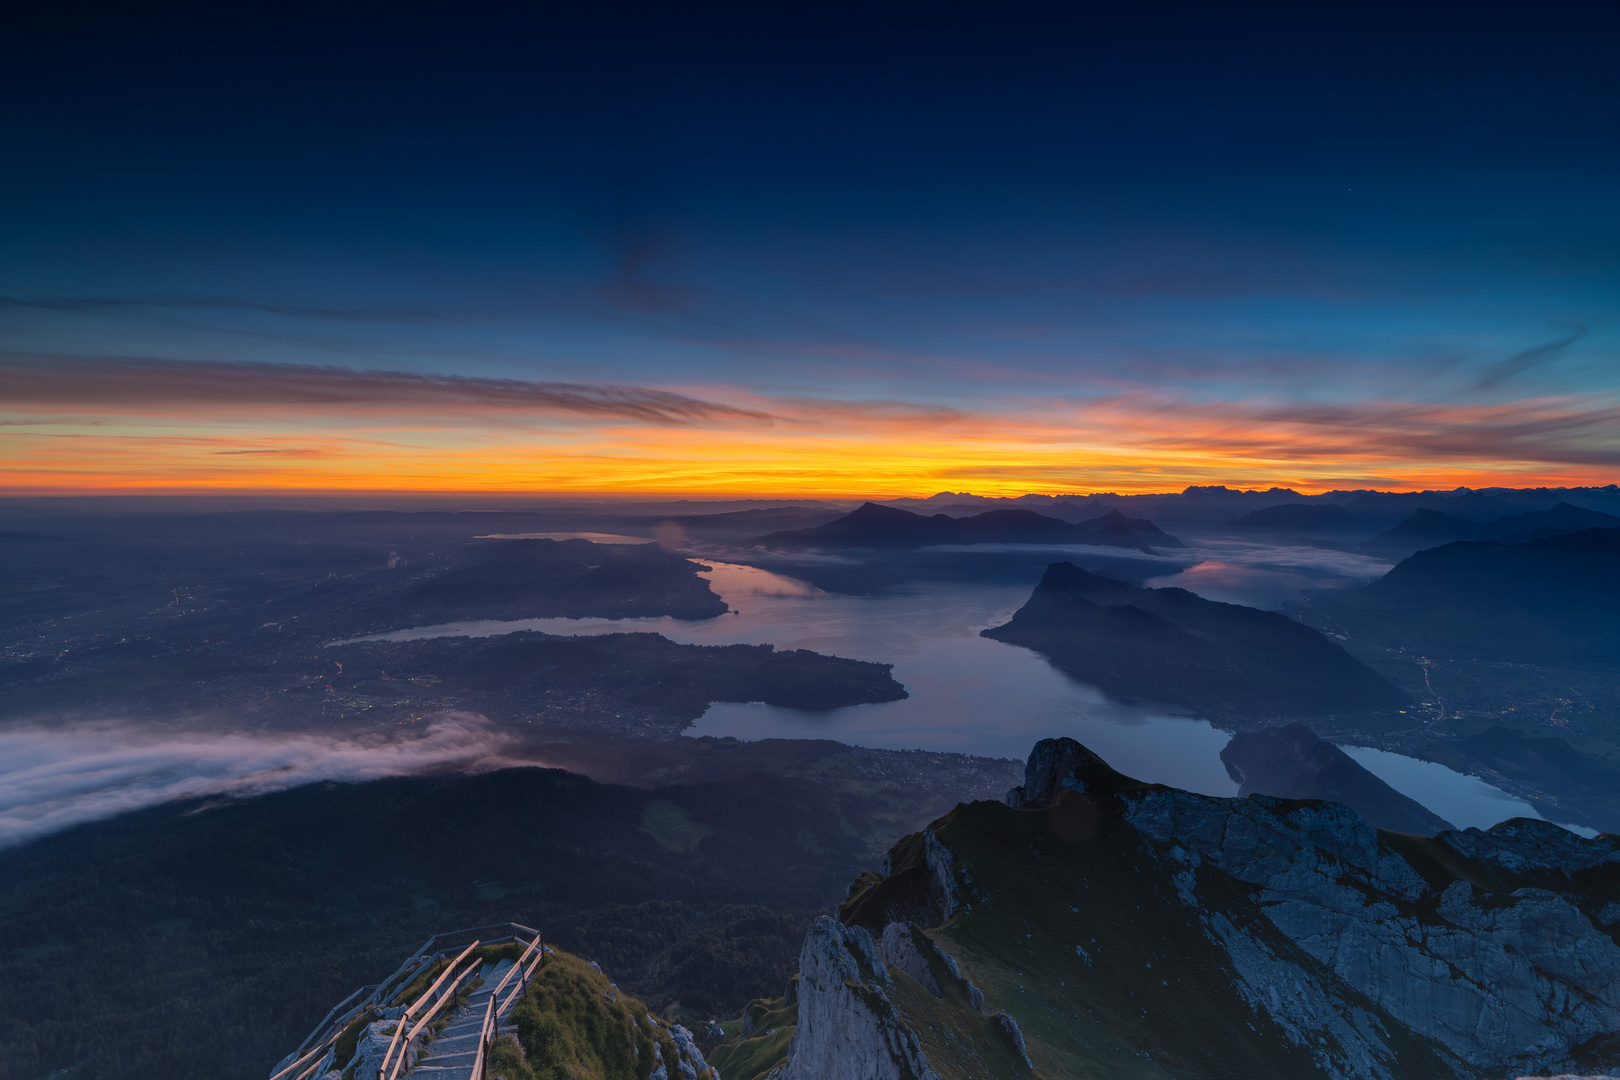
(450, 1056)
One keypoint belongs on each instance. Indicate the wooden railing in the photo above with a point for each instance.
(496, 1008)
(425, 1012)
(315, 1051)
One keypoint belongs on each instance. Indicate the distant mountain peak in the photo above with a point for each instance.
(873, 525)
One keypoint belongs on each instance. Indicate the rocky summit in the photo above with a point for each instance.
(1093, 925)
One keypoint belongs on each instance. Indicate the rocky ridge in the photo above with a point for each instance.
(1096, 925)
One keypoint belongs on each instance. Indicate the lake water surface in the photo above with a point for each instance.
(972, 695)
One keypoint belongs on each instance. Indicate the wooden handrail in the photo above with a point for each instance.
(429, 1014)
(522, 983)
(337, 1020)
(483, 1040)
(515, 968)
(443, 975)
(401, 978)
(406, 1015)
(315, 1065)
(301, 1061)
(326, 1020)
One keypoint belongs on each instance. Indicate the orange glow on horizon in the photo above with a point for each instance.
(706, 464)
(194, 428)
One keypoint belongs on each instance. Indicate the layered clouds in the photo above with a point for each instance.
(1076, 248)
(186, 389)
(85, 423)
(54, 777)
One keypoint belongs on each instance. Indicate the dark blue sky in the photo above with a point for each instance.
(1325, 217)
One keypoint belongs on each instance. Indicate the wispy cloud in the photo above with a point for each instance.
(124, 424)
(52, 778)
(1520, 362)
(384, 313)
(158, 386)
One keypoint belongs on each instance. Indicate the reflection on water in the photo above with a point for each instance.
(968, 694)
(1466, 801)
(976, 696)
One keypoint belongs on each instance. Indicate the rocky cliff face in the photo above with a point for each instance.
(849, 1029)
(1100, 926)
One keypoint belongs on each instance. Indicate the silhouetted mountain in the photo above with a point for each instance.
(1554, 601)
(518, 579)
(1069, 510)
(1431, 528)
(1581, 782)
(1171, 646)
(1426, 528)
(1114, 523)
(1212, 507)
(874, 526)
(1293, 762)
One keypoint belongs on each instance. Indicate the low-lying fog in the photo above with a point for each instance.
(58, 776)
(1262, 576)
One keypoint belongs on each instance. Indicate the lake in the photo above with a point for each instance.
(972, 695)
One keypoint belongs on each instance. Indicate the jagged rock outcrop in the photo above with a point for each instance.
(848, 1027)
(1015, 1038)
(898, 949)
(373, 1044)
(690, 1063)
(1054, 766)
(1097, 925)
(1496, 975)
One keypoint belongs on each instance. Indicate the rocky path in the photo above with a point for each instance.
(450, 1056)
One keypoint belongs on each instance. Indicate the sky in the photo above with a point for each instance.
(816, 250)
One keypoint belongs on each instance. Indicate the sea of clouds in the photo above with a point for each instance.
(56, 776)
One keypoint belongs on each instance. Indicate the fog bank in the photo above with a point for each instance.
(55, 777)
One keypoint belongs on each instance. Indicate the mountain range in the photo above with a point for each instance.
(1431, 528)
(873, 526)
(1553, 601)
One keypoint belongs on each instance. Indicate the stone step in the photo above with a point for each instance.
(450, 1056)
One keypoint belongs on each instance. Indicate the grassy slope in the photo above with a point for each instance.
(1051, 892)
(571, 1024)
(758, 1041)
(1152, 997)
